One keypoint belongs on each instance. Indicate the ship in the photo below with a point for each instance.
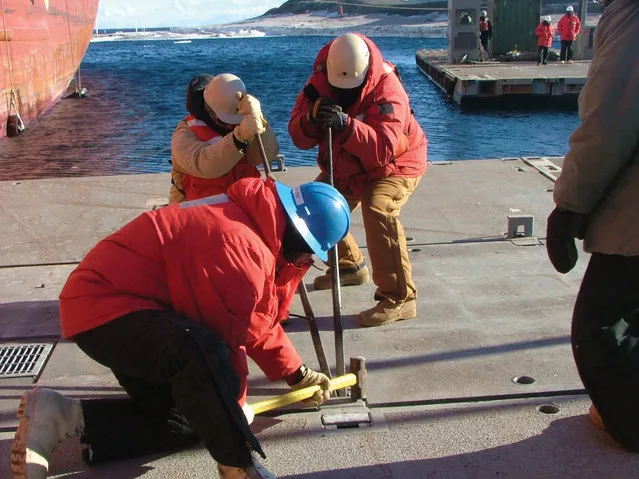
(42, 43)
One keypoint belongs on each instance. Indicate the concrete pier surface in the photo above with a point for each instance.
(490, 82)
(443, 398)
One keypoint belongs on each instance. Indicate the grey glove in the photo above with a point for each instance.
(321, 102)
(308, 377)
(332, 116)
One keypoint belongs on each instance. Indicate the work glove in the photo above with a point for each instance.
(308, 377)
(249, 105)
(319, 103)
(562, 229)
(330, 115)
(252, 122)
(248, 413)
(178, 424)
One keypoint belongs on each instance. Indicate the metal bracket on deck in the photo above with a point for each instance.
(155, 203)
(278, 163)
(518, 222)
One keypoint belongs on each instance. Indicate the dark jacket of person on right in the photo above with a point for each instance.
(597, 198)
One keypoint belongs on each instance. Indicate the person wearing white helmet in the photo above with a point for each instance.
(174, 304)
(485, 29)
(379, 157)
(568, 28)
(596, 197)
(545, 33)
(213, 146)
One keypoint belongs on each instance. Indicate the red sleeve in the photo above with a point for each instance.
(577, 26)
(274, 353)
(303, 134)
(376, 139)
(270, 347)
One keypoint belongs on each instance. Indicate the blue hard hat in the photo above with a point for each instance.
(319, 213)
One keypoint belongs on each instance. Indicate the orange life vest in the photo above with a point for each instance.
(483, 25)
(195, 187)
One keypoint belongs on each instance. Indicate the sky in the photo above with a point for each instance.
(178, 13)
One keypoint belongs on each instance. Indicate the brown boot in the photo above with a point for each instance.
(387, 311)
(347, 277)
(595, 418)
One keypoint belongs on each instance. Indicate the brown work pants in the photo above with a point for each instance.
(381, 203)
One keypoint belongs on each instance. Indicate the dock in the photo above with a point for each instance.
(481, 384)
(493, 82)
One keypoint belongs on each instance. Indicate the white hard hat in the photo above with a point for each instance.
(221, 96)
(547, 19)
(347, 62)
(483, 13)
(569, 8)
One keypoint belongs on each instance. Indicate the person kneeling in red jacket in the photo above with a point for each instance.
(174, 303)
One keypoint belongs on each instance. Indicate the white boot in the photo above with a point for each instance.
(257, 471)
(46, 418)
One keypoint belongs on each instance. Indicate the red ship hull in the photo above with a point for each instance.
(42, 43)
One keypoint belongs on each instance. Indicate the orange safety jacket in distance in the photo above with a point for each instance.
(569, 27)
(545, 34)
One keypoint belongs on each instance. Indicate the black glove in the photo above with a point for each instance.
(330, 115)
(562, 229)
(321, 102)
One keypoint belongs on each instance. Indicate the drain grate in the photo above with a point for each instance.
(23, 360)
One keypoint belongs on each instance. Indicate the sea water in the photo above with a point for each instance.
(137, 94)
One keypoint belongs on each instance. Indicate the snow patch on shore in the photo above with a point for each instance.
(434, 24)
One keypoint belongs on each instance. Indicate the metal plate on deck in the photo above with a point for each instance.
(546, 167)
(23, 360)
(346, 420)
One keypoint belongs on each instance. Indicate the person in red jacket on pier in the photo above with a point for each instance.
(568, 27)
(174, 303)
(485, 30)
(379, 157)
(545, 33)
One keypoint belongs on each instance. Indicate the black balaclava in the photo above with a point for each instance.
(293, 245)
(196, 105)
(195, 96)
(347, 97)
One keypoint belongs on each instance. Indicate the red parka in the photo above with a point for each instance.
(382, 137)
(545, 34)
(569, 27)
(218, 264)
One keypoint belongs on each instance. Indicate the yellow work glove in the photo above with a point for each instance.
(312, 378)
(249, 105)
(253, 122)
